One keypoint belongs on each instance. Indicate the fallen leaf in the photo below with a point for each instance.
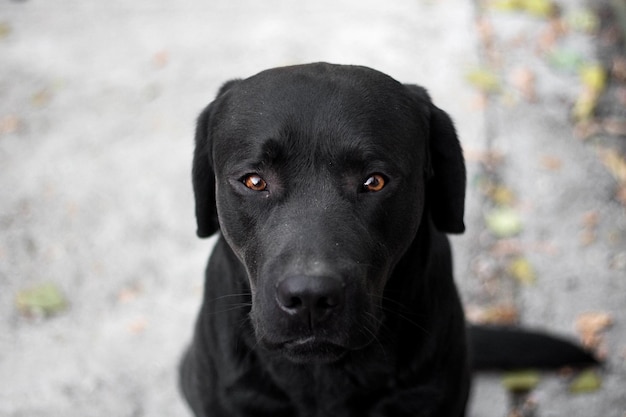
(485, 31)
(5, 30)
(617, 262)
(551, 163)
(506, 247)
(502, 195)
(591, 219)
(138, 325)
(42, 300)
(484, 79)
(549, 37)
(587, 381)
(614, 126)
(620, 194)
(615, 163)
(618, 69)
(128, 294)
(501, 314)
(583, 20)
(565, 60)
(506, 5)
(523, 79)
(590, 325)
(161, 59)
(593, 76)
(540, 8)
(522, 270)
(585, 105)
(521, 381)
(503, 222)
(41, 98)
(9, 124)
(588, 237)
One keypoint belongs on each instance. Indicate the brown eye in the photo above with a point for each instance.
(375, 182)
(254, 182)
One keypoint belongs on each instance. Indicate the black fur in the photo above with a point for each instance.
(324, 297)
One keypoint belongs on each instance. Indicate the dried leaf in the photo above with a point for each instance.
(42, 97)
(138, 325)
(549, 37)
(522, 270)
(484, 79)
(9, 124)
(593, 76)
(161, 59)
(565, 60)
(506, 5)
(5, 30)
(502, 314)
(521, 381)
(591, 219)
(615, 163)
(585, 106)
(506, 247)
(589, 325)
(588, 237)
(502, 195)
(503, 222)
(42, 300)
(587, 381)
(618, 69)
(523, 79)
(594, 321)
(614, 126)
(128, 294)
(620, 194)
(541, 8)
(551, 163)
(583, 20)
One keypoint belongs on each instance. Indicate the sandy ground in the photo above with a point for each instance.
(97, 109)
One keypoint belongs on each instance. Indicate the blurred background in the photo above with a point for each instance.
(100, 269)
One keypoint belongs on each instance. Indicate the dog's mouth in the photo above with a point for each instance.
(312, 349)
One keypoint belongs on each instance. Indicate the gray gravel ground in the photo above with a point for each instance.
(97, 109)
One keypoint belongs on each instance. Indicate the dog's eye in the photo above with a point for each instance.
(374, 183)
(254, 182)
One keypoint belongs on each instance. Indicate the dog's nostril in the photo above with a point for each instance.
(293, 302)
(327, 302)
(311, 298)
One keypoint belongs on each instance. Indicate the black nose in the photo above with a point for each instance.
(311, 299)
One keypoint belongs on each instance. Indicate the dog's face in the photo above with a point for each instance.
(317, 176)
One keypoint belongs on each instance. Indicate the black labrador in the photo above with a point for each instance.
(330, 290)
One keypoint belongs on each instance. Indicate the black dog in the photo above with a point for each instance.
(330, 291)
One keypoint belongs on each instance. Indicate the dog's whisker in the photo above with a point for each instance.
(222, 297)
(233, 307)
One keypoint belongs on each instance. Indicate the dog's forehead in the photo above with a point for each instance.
(352, 107)
(316, 88)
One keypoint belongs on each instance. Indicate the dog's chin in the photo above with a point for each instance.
(310, 350)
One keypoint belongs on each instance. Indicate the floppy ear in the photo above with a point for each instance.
(203, 176)
(445, 190)
(445, 187)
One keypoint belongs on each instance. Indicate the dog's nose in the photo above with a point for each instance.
(310, 298)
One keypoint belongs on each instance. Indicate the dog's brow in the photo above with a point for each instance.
(362, 155)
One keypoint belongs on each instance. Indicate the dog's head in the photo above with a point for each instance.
(318, 177)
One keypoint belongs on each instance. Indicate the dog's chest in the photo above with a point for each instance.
(324, 391)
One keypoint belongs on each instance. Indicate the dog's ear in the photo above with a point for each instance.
(445, 188)
(203, 176)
